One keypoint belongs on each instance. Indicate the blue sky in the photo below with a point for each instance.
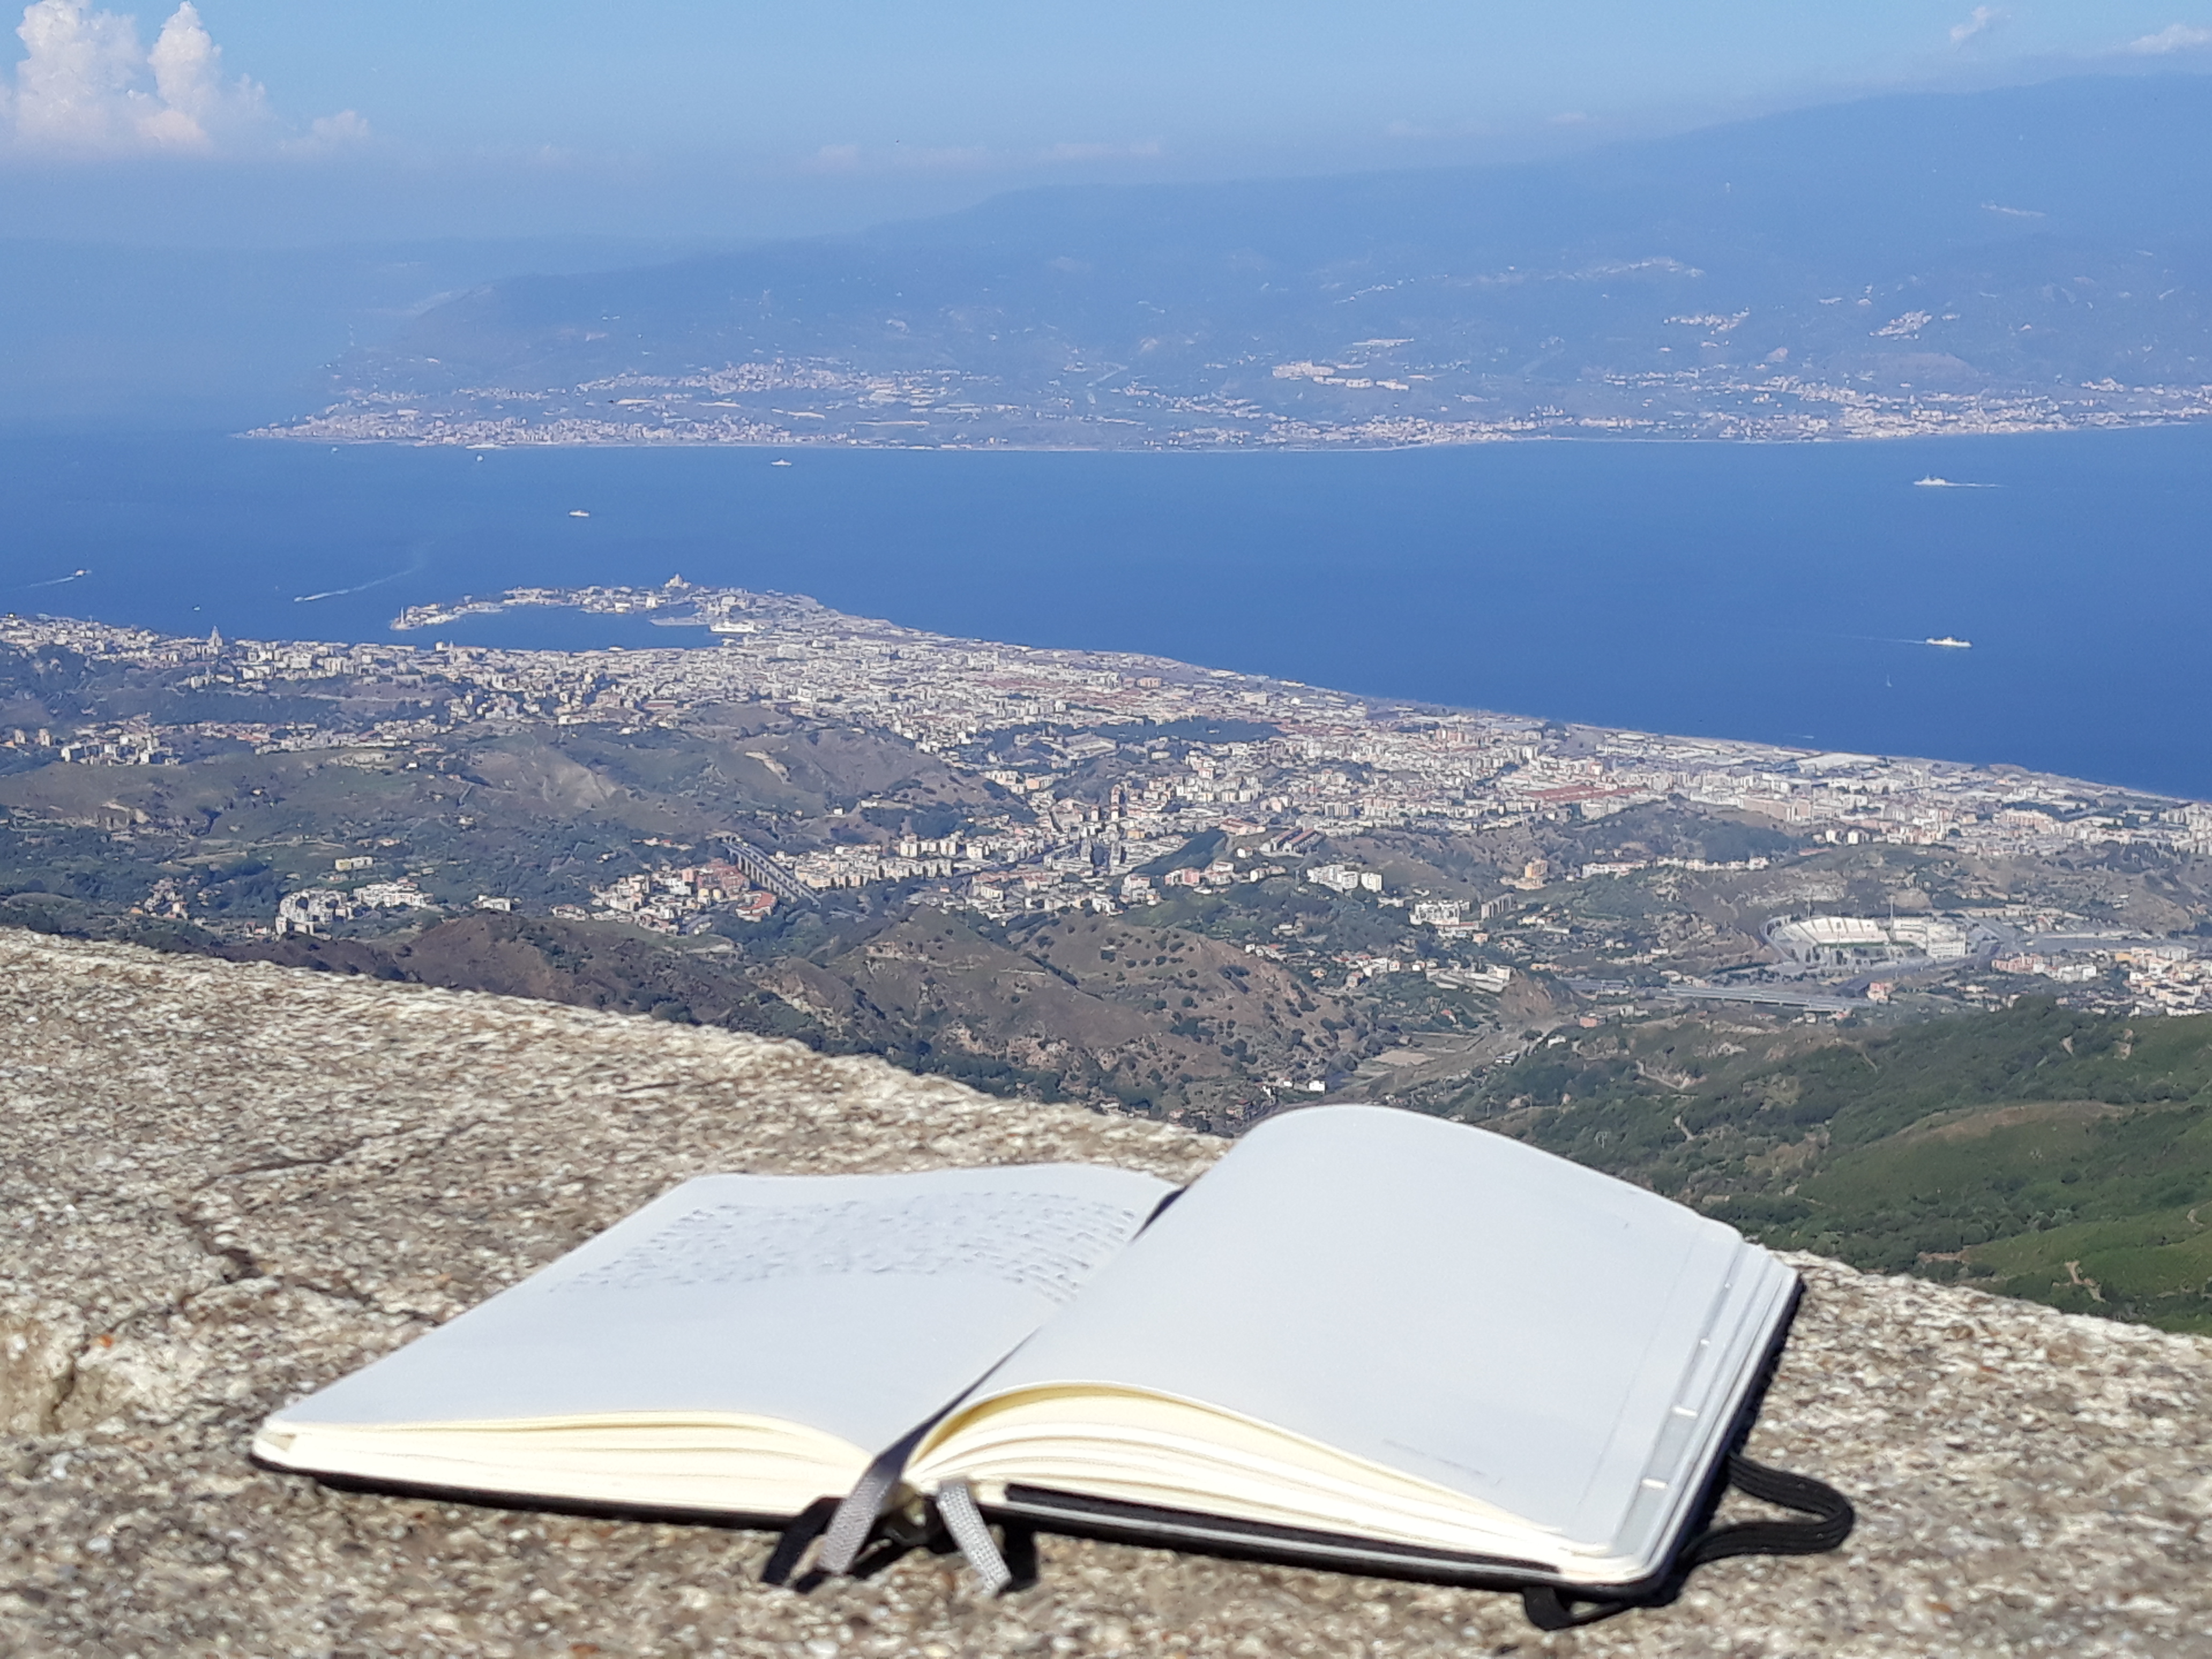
(295, 118)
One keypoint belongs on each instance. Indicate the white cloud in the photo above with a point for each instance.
(86, 87)
(2174, 37)
(73, 89)
(346, 130)
(1981, 22)
(187, 68)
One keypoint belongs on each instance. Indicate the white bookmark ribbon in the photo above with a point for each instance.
(956, 1506)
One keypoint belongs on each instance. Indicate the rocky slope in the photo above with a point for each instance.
(221, 1185)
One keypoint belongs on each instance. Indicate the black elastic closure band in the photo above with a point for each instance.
(1547, 1607)
(1830, 1523)
(809, 1524)
(1832, 1512)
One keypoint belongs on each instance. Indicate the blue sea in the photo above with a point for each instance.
(1774, 592)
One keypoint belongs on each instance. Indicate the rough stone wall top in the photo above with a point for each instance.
(222, 1186)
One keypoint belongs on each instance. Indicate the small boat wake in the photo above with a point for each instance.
(1943, 642)
(1931, 482)
(358, 588)
(57, 581)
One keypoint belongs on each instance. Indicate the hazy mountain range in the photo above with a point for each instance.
(2031, 257)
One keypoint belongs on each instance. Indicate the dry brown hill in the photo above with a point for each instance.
(222, 1185)
(1106, 1004)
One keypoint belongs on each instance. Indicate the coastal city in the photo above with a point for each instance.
(1388, 399)
(1107, 783)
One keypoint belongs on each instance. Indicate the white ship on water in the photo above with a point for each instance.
(1950, 644)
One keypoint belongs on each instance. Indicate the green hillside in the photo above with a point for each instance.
(2038, 1150)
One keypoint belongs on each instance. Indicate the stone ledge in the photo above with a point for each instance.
(221, 1186)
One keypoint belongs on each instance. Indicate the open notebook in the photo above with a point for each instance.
(1365, 1338)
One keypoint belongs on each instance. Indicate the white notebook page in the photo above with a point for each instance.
(855, 1304)
(1444, 1301)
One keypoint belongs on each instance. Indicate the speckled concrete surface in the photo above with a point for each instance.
(221, 1186)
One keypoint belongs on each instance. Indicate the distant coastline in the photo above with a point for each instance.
(822, 403)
